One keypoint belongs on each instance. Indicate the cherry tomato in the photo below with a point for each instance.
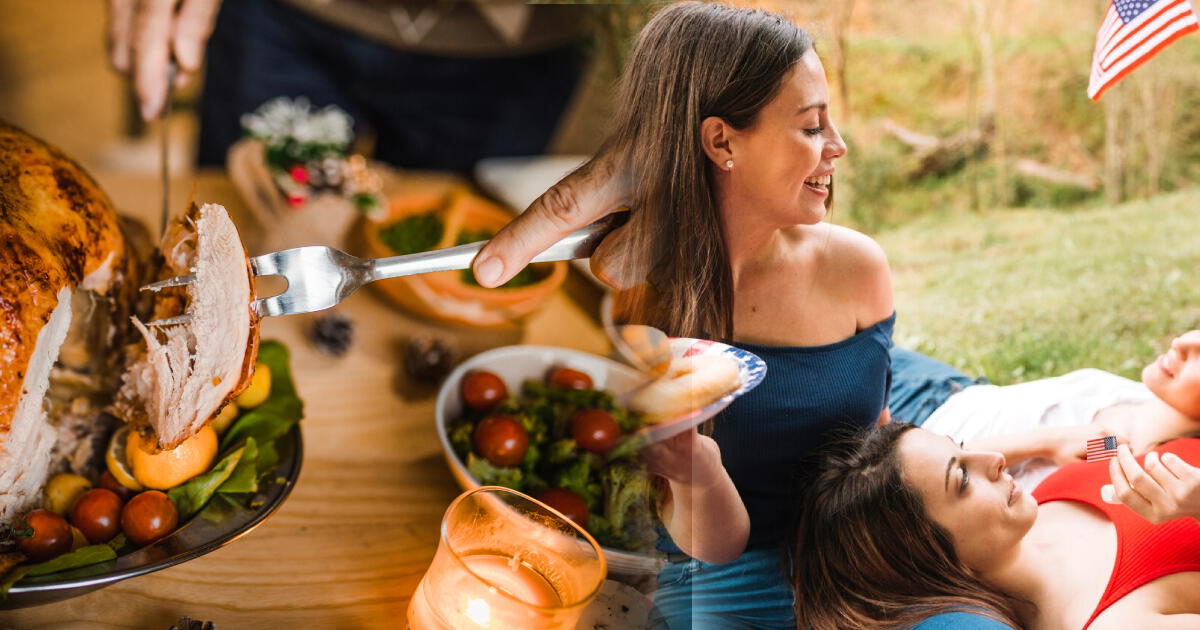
(595, 430)
(502, 440)
(97, 514)
(148, 517)
(567, 378)
(109, 482)
(566, 501)
(51, 535)
(483, 390)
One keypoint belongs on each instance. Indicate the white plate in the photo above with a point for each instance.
(751, 368)
(617, 605)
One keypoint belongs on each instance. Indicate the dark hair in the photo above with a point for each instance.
(864, 554)
(691, 61)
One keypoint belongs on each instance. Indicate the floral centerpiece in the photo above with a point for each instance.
(306, 152)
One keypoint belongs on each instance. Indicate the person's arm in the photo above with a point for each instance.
(145, 35)
(1061, 444)
(1016, 447)
(703, 512)
(579, 199)
(1165, 489)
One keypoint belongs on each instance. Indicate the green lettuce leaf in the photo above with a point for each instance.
(244, 477)
(81, 557)
(13, 577)
(268, 456)
(191, 496)
(278, 413)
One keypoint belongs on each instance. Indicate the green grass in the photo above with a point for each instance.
(1021, 294)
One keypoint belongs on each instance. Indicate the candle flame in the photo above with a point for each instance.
(479, 612)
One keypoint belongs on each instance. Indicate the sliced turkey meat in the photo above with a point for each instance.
(188, 372)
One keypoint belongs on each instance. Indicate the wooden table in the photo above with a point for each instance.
(349, 546)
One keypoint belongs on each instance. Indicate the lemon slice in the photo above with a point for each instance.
(117, 463)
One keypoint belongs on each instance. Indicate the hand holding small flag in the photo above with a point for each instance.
(1162, 488)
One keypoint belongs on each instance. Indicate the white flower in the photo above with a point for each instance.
(281, 118)
(330, 125)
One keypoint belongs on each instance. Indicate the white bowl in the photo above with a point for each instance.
(515, 364)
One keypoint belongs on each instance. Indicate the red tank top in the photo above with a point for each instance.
(1145, 551)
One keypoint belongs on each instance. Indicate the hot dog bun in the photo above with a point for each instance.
(690, 383)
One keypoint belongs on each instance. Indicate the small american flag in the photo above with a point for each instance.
(1132, 32)
(1101, 448)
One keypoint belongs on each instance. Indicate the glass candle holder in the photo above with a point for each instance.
(506, 560)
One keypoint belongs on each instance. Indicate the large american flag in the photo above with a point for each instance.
(1132, 31)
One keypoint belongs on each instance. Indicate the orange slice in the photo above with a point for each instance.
(162, 470)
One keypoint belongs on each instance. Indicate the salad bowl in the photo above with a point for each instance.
(516, 364)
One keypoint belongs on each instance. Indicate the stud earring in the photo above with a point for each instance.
(728, 163)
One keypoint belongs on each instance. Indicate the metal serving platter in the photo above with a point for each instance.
(212, 528)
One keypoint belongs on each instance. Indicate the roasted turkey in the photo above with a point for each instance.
(63, 266)
(76, 355)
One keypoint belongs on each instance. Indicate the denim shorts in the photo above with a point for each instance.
(748, 593)
(920, 384)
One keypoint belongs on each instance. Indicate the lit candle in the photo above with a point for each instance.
(507, 561)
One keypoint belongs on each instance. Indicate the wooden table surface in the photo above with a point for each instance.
(352, 541)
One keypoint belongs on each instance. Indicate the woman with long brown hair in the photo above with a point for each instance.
(864, 554)
(725, 149)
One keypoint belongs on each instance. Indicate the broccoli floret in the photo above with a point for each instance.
(460, 438)
(533, 484)
(577, 477)
(603, 532)
(561, 451)
(536, 415)
(627, 420)
(628, 447)
(626, 494)
(532, 456)
(489, 475)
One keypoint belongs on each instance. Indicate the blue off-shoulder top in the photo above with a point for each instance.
(810, 392)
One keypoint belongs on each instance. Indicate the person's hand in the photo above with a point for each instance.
(689, 459)
(143, 37)
(1167, 488)
(577, 200)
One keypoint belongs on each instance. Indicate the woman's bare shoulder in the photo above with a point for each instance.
(855, 249)
(858, 268)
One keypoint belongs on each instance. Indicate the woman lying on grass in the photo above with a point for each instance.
(900, 524)
(1043, 424)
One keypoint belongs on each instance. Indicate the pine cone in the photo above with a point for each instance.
(427, 358)
(332, 333)
(187, 623)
